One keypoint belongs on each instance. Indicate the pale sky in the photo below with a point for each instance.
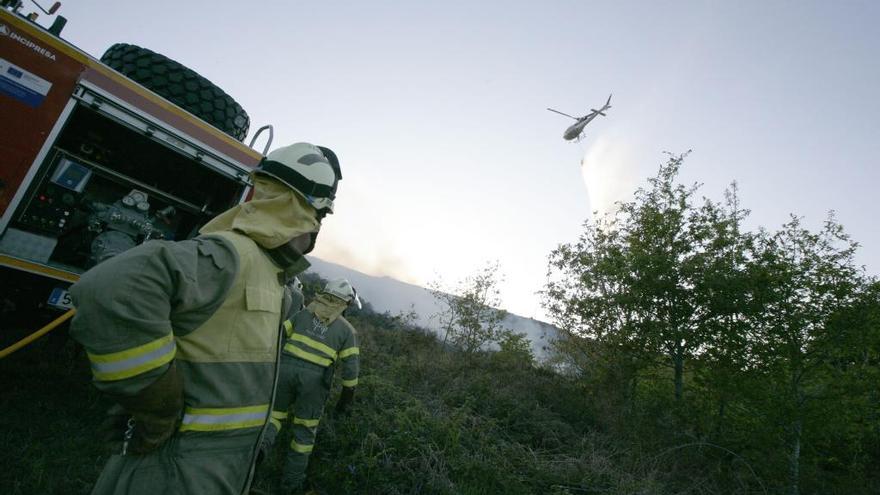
(450, 160)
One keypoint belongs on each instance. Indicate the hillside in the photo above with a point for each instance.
(426, 421)
(429, 421)
(395, 297)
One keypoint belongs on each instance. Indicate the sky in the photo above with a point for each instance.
(450, 159)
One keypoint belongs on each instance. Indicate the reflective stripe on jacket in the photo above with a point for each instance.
(311, 340)
(211, 304)
(230, 359)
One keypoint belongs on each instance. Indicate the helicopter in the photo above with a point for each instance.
(575, 132)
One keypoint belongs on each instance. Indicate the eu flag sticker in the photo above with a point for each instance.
(22, 85)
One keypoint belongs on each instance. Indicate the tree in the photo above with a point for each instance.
(515, 349)
(649, 279)
(783, 327)
(469, 314)
(588, 298)
(811, 281)
(726, 291)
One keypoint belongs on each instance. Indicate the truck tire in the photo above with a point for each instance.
(179, 85)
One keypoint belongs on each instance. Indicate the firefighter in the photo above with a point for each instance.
(319, 339)
(184, 335)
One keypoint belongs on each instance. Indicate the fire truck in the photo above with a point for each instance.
(98, 156)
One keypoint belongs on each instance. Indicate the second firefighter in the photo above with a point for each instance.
(319, 339)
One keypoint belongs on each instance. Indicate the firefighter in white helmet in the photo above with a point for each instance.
(319, 340)
(184, 335)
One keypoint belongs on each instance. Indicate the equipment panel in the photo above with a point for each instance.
(104, 188)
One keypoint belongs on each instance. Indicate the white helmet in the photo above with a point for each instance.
(342, 289)
(311, 170)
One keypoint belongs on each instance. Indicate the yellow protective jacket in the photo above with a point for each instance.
(319, 334)
(213, 306)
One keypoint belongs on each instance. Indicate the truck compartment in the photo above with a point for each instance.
(105, 187)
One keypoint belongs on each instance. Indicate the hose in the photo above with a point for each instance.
(39, 333)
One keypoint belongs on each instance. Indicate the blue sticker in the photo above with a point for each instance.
(55, 296)
(22, 85)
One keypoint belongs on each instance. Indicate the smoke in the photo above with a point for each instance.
(610, 173)
(365, 237)
(378, 257)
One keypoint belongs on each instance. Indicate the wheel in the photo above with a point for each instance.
(179, 85)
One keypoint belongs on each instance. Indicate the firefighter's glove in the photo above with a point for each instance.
(345, 400)
(155, 412)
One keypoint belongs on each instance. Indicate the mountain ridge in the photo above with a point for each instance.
(386, 293)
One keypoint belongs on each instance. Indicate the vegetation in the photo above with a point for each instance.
(469, 318)
(772, 338)
(695, 357)
(430, 420)
(426, 420)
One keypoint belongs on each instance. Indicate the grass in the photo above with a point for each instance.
(429, 421)
(48, 415)
(425, 421)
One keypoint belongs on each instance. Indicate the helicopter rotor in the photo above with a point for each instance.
(561, 113)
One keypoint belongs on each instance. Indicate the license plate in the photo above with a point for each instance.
(60, 298)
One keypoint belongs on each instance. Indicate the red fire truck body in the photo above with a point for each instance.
(92, 163)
